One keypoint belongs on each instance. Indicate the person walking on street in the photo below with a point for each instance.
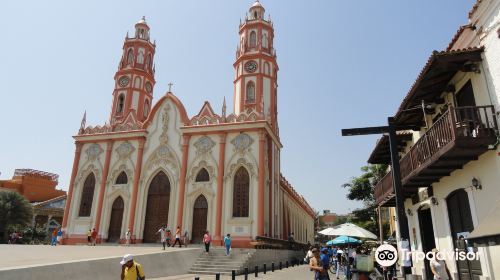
(163, 237)
(227, 243)
(53, 241)
(177, 237)
(185, 238)
(325, 261)
(89, 237)
(131, 270)
(316, 266)
(169, 238)
(94, 237)
(206, 240)
(438, 267)
(128, 234)
(59, 236)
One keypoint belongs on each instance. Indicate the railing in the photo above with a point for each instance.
(461, 122)
(383, 188)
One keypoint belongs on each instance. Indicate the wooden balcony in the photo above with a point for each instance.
(459, 136)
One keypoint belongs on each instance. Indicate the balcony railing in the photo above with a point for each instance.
(384, 190)
(460, 135)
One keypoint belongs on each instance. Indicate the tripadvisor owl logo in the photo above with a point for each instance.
(386, 255)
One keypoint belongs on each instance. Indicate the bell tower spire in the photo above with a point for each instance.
(134, 80)
(255, 84)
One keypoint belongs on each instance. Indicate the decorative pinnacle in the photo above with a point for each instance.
(170, 87)
(224, 108)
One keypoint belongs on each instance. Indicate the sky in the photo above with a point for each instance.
(342, 64)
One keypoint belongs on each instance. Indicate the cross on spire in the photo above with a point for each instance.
(170, 87)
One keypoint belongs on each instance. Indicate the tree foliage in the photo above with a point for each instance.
(361, 189)
(15, 212)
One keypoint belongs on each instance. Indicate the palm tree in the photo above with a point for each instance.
(15, 211)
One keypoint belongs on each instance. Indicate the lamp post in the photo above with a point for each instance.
(390, 129)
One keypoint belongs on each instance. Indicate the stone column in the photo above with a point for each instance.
(260, 193)
(76, 160)
(220, 189)
(100, 200)
(182, 179)
(135, 189)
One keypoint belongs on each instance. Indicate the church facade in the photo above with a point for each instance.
(153, 165)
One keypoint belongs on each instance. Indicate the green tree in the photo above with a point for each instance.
(361, 189)
(15, 212)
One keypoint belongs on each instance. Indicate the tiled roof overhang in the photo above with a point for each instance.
(381, 153)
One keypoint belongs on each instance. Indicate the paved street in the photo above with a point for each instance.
(28, 255)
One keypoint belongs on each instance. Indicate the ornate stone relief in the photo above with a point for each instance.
(164, 119)
(124, 150)
(204, 145)
(240, 162)
(93, 152)
(162, 156)
(242, 142)
(197, 168)
(82, 175)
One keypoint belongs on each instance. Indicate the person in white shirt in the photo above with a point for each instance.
(438, 267)
(127, 237)
(163, 236)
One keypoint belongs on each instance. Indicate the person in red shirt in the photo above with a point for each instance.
(94, 236)
(206, 240)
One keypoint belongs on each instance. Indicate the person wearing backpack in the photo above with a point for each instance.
(131, 270)
(206, 240)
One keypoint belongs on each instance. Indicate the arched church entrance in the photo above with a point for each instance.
(157, 207)
(200, 214)
(115, 222)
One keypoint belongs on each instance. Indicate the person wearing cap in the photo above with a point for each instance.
(131, 270)
(325, 260)
(438, 267)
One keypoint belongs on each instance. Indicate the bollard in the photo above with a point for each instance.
(246, 273)
(217, 276)
(281, 266)
(265, 269)
(233, 274)
(256, 270)
(272, 267)
(286, 264)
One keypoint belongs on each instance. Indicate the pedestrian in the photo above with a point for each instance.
(131, 270)
(291, 241)
(325, 261)
(177, 237)
(309, 255)
(206, 240)
(163, 237)
(340, 261)
(53, 241)
(227, 243)
(89, 237)
(185, 238)
(59, 236)
(316, 266)
(128, 234)
(94, 237)
(438, 267)
(169, 237)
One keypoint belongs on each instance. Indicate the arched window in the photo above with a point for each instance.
(202, 176)
(241, 193)
(253, 39)
(148, 61)
(121, 103)
(130, 56)
(140, 56)
(264, 40)
(267, 70)
(122, 178)
(137, 82)
(250, 92)
(87, 196)
(146, 108)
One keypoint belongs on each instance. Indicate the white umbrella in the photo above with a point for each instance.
(349, 230)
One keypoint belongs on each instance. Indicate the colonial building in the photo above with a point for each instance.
(34, 185)
(153, 165)
(449, 162)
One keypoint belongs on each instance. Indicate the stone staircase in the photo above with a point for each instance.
(216, 261)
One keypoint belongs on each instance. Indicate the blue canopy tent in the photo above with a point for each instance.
(344, 240)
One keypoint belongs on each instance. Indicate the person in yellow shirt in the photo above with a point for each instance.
(130, 269)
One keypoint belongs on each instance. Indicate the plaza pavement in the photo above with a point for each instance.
(16, 256)
(293, 273)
